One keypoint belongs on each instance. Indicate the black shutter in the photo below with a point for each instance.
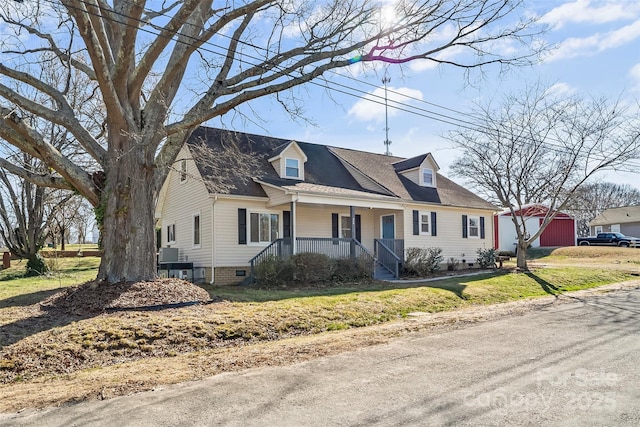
(434, 228)
(358, 229)
(334, 226)
(464, 226)
(286, 224)
(242, 226)
(416, 223)
(482, 227)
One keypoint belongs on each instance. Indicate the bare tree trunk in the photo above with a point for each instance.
(62, 239)
(521, 256)
(128, 201)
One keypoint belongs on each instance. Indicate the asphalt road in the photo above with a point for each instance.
(575, 364)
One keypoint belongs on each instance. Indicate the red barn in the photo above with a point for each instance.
(560, 232)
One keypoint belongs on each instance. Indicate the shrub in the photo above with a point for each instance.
(349, 269)
(453, 264)
(421, 261)
(36, 266)
(311, 268)
(486, 258)
(273, 271)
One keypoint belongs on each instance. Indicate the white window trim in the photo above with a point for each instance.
(172, 225)
(428, 214)
(433, 177)
(598, 229)
(183, 171)
(469, 218)
(193, 230)
(285, 168)
(263, 211)
(615, 228)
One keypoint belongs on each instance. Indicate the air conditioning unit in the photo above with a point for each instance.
(168, 255)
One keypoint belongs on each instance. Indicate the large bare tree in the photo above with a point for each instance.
(163, 68)
(27, 212)
(593, 198)
(541, 147)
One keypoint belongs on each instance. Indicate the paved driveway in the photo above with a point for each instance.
(570, 364)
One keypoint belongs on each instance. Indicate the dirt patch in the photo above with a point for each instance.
(96, 297)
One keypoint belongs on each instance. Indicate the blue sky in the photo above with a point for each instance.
(597, 53)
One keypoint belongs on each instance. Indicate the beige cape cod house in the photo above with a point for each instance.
(301, 197)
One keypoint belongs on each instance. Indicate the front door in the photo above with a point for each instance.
(388, 227)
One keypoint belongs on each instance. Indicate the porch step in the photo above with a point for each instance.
(381, 273)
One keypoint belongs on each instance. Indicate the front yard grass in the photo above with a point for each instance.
(76, 357)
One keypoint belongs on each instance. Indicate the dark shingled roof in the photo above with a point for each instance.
(323, 168)
(411, 163)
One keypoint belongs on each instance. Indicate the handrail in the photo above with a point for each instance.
(332, 247)
(387, 258)
(275, 249)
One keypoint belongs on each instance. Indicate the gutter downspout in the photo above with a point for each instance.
(213, 238)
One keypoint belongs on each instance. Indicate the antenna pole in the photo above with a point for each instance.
(386, 79)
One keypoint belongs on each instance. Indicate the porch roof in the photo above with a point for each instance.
(307, 192)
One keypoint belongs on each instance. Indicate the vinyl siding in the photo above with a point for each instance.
(277, 164)
(449, 234)
(413, 175)
(187, 199)
(228, 252)
(276, 196)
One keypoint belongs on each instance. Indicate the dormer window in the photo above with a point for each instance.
(292, 168)
(288, 160)
(427, 177)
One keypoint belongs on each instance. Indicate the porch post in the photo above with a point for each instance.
(352, 244)
(292, 225)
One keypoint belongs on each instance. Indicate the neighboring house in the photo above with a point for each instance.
(624, 220)
(561, 231)
(302, 197)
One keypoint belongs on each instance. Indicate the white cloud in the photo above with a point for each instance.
(561, 89)
(371, 107)
(586, 11)
(635, 76)
(594, 44)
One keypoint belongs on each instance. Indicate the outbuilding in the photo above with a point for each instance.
(560, 232)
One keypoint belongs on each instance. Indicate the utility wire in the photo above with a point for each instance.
(340, 88)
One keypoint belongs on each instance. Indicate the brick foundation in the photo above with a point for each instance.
(227, 275)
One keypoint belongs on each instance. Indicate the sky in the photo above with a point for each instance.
(597, 54)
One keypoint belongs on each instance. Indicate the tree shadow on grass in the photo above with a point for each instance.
(549, 288)
(455, 287)
(262, 294)
(70, 305)
(27, 299)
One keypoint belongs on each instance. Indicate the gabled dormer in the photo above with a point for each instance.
(288, 160)
(421, 169)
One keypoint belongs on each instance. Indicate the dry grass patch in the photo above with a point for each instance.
(89, 337)
(588, 255)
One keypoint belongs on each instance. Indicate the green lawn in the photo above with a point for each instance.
(122, 347)
(64, 272)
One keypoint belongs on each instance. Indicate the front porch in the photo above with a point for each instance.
(369, 228)
(384, 263)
